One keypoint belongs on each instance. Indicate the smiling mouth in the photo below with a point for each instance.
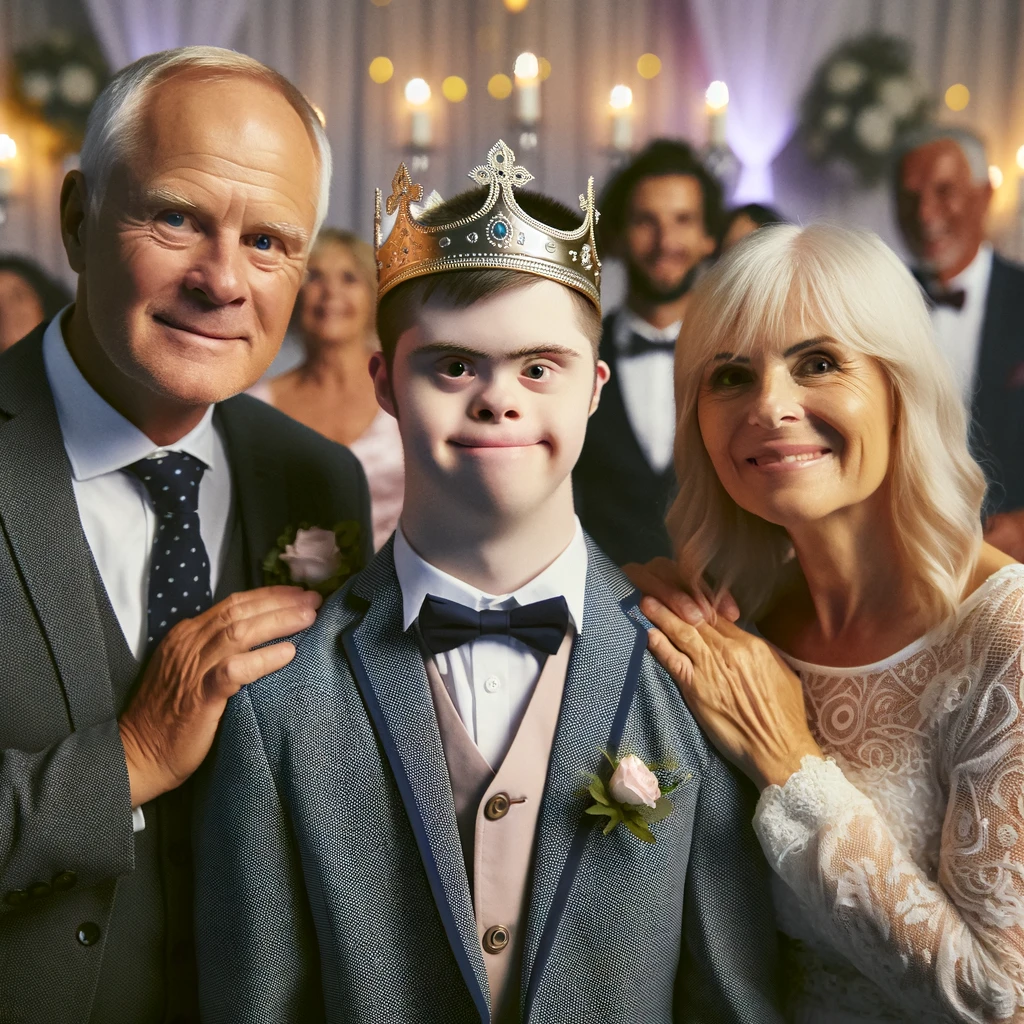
(165, 322)
(778, 459)
(497, 445)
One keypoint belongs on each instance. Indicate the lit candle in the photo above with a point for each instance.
(1020, 195)
(621, 103)
(8, 151)
(417, 95)
(717, 97)
(527, 72)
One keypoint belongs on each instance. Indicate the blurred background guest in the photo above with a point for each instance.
(331, 390)
(745, 220)
(943, 193)
(661, 215)
(28, 296)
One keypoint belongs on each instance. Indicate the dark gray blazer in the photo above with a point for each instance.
(331, 883)
(998, 413)
(95, 922)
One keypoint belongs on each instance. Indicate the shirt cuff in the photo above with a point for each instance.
(138, 820)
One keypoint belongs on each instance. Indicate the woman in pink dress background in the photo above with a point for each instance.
(331, 390)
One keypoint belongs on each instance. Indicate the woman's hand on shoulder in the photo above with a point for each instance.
(743, 695)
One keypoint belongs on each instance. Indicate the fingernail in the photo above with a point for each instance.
(693, 615)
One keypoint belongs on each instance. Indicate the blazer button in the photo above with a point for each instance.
(16, 897)
(64, 881)
(496, 938)
(88, 933)
(39, 890)
(496, 807)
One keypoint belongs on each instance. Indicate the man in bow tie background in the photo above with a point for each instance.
(661, 215)
(977, 298)
(137, 502)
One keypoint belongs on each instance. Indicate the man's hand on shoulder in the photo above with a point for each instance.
(169, 726)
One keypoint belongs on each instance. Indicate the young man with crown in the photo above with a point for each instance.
(473, 795)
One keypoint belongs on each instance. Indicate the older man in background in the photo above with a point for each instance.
(977, 298)
(137, 502)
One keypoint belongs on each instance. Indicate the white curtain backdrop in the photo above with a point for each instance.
(764, 51)
(129, 29)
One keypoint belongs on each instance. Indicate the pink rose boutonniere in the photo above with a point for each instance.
(633, 796)
(314, 558)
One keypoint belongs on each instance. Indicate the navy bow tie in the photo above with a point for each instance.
(936, 294)
(446, 624)
(640, 346)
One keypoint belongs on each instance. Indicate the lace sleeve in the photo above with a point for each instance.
(955, 946)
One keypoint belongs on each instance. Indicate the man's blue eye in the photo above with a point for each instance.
(264, 242)
(175, 220)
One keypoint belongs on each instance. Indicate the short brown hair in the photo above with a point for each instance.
(398, 310)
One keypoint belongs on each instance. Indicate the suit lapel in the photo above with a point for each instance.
(39, 516)
(388, 667)
(260, 486)
(604, 672)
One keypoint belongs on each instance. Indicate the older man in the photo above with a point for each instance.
(135, 492)
(977, 298)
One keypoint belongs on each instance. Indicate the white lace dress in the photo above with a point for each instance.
(899, 860)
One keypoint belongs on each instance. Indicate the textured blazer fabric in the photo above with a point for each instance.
(331, 879)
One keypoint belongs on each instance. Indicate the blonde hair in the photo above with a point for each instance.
(114, 121)
(366, 263)
(848, 285)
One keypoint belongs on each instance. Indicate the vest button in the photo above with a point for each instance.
(496, 938)
(16, 897)
(64, 881)
(88, 934)
(496, 807)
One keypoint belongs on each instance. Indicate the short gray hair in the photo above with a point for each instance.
(113, 124)
(971, 145)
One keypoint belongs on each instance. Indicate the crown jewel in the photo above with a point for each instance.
(499, 236)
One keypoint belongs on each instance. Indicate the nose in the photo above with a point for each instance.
(216, 275)
(495, 401)
(776, 400)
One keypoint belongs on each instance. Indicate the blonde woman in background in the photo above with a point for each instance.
(824, 478)
(331, 391)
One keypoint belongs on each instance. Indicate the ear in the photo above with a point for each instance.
(73, 216)
(602, 374)
(382, 384)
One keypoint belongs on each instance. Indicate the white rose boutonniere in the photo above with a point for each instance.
(633, 796)
(314, 558)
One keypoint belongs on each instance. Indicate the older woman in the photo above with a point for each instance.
(331, 391)
(824, 477)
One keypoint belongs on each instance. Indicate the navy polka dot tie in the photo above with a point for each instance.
(179, 573)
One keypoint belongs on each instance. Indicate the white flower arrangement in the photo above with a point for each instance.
(862, 99)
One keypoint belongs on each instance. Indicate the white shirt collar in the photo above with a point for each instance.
(627, 323)
(974, 277)
(565, 577)
(97, 438)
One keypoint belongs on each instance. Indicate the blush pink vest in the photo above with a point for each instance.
(497, 814)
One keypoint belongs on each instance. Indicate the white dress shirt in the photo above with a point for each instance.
(647, 386)
(491, 679)
(958, 331)
(115, 509)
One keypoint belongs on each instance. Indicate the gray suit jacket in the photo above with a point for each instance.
(94, 920)
(330, 878)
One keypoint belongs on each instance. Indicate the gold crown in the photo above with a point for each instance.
(500, 236)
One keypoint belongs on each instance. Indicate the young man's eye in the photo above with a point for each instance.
(455, 368)
(537, 372)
